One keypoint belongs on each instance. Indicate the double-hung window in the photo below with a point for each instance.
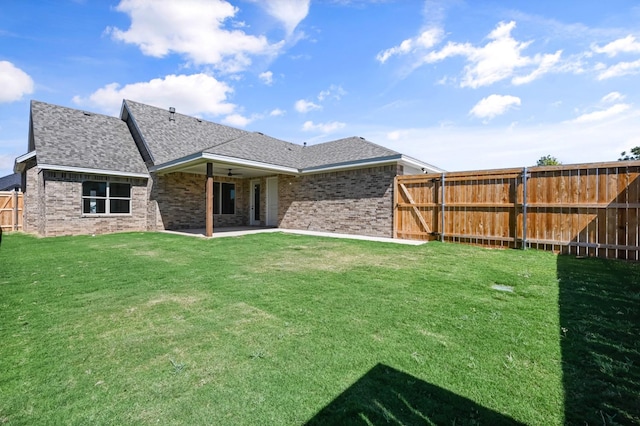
(106, 198)
(224, 197)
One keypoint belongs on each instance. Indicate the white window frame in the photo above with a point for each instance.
(107, 199)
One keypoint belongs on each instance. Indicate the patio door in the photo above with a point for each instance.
(272, 201)
(254, 213)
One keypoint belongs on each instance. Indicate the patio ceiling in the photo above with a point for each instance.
(223, 169)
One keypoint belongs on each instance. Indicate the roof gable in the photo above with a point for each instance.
(69, 137)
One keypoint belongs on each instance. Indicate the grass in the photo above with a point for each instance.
(284, 329)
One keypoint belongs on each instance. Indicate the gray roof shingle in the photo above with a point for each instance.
(169, 140)
(69, 137)
(259, 147)
(353, 149)
(10, 182)
(73, 138)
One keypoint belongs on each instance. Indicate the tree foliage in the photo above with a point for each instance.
(633, 155)
(548, 160)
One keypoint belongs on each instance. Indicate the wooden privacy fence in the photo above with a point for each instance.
(11, 205)
(586, 209)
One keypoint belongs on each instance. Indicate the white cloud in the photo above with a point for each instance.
(618, 70)
(610, 112)
(14, 82)
(396, 135)
(236, 120)
(334, 91)
(289, 12)
(277, 112)
(304, 106)
(499, 59)
(266, 77)
(494, 105)
(612, 97)
(193, 28)
(488, 147)
(629, 44)
(310, 126)
(189, 94)
(546, 64)
(426, 40)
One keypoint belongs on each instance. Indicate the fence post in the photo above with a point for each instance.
(15, 210)
(395, 207)
(442, 209)
(524, 208)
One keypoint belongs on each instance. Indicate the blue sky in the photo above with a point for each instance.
(459, 84)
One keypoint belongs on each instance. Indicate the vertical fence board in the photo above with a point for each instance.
(587, 209)
(11, 206)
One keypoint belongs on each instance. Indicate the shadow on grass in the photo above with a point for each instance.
(599, 304)
(387, 396)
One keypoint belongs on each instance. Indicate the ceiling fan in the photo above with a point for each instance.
(233, 174)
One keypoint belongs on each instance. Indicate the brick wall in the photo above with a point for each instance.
(58, 209)
(33, 205)
(352, 202)
(178, 201)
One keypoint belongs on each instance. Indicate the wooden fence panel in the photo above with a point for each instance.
(415, 209)
(11, 206)
(587, 209)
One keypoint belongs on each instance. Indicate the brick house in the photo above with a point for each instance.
(155, 169)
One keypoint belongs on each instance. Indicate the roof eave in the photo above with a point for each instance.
(425, 167)
(86, 170)
(19, 165)
(200, 157)
(350, 165)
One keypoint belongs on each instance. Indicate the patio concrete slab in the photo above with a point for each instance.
(248, 230)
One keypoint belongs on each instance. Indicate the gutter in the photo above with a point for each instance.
(201, 157)
(18, 166)
(74, 169)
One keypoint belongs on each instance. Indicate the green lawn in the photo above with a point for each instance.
(283, 329)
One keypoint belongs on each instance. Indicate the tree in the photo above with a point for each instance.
(548, 160)
(633, 155)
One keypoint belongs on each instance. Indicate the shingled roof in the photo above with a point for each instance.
(348, 150)
(150, 138)
(170, 136)
(262, 148)
(70, 138)
(10, 182)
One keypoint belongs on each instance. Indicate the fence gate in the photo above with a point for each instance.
(11, 205)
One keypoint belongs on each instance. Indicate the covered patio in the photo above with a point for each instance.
(246, 190)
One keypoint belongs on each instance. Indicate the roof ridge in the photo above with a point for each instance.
(355, 137)
(248, 133)
(225, 142)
